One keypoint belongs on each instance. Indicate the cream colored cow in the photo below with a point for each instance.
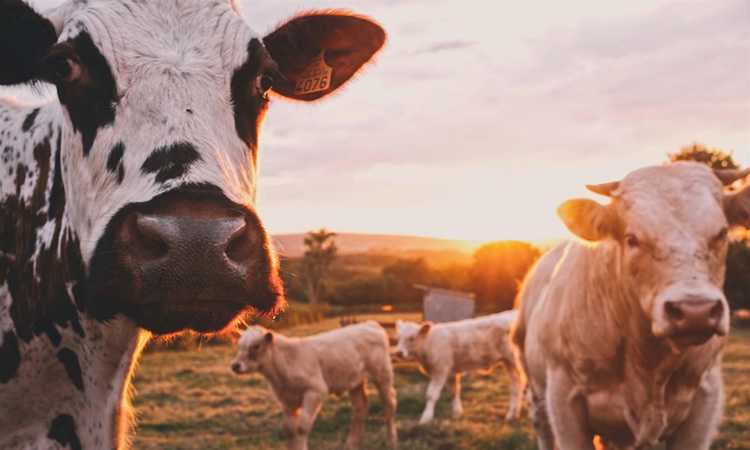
(303, 371)
(444, 351)
(621, 337)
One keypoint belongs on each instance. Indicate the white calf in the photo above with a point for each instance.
(444, 351)
(303, 371)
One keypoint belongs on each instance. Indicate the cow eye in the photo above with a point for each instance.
(631, 241)
(65, 69)
(722, 236)
(264, 83)
(256, 347)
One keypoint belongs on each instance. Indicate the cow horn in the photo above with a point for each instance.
(729, 176)
(604, 188)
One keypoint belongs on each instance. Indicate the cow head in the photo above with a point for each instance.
(253, 350)
(411, 336)
(162, 101)
(669, 225)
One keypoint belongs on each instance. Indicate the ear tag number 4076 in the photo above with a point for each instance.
(316, 78)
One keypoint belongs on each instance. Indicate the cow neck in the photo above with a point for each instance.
(63, 375)
(282, 355)
(424, 352)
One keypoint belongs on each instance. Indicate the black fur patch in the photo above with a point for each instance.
(10, 358)
(69, 359)
(29, 121)
(39, 305)
(115, 156)
(57, 193)
(25, 37)
(91, 100)
(63, 430)
(249, 105)
(171, 162)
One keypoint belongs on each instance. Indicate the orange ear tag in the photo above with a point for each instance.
(316, 78)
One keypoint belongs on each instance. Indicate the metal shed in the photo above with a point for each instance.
(444, 305)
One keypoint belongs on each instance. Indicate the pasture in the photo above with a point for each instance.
(191, 400)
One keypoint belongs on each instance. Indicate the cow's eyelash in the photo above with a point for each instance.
(720, 236)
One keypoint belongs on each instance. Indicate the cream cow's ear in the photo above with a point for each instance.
(588, 219)
(269, 337)
(425, 328)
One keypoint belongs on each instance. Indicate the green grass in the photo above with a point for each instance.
(191, 400)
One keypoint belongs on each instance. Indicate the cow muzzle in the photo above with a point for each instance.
(184, 260)
(693, 321)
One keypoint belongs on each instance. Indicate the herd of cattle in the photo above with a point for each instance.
(302, 372)
(127, 208)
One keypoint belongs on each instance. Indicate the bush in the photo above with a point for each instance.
(296, 314)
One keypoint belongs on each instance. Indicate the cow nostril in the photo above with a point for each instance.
(673, 311)
(235, 367)
(717, 310)
(149, 236)
(239, 245)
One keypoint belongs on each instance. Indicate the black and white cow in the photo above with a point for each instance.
(127, 208)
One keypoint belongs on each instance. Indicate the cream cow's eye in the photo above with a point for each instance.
(631, 241)
(720, 237)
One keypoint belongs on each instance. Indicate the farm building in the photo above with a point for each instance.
(443, 305)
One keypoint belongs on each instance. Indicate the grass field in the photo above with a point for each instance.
(191, 400)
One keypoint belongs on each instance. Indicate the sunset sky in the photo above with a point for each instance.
(479, 118)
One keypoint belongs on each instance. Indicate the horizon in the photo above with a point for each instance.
(477, 120)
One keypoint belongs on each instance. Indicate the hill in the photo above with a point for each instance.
(292, 245)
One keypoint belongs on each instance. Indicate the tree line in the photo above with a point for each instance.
(355, 281)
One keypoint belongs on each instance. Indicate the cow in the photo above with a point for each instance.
(128, 203)
(621, 334)
(302, 372)
(444, 351)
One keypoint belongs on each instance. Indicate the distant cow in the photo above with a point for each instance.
(621, 337)
(444, 351)
(303, 371)
(128, 203)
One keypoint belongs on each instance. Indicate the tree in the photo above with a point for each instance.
(498, 269)
(316, 263)
(715, 159)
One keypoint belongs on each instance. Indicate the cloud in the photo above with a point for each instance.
(443, 46)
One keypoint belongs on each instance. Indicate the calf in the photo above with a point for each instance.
(446, 350)
(127, 205)
(621, 337)
(303, 371)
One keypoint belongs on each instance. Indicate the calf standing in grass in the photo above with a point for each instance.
(445, 351)
(622, 337)
(303, 371)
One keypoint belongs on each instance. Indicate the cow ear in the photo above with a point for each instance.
(425, 328)
(737, 207)
(234, 335)
(25, 37)
(268, 337)
(588, 219)
(318, 52)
